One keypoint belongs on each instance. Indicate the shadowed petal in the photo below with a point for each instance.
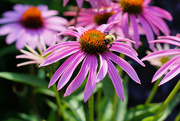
(102, 69)
(170, 75)
(62, 68)
(78, 80)
(69, 71)
(165, 68)
(124, 65)
(124, 23)
(116, 80)
(91, 82)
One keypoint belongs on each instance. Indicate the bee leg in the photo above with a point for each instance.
(110, 45)
(106, 32)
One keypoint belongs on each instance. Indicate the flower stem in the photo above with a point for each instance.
(99, 93)
(153, 91)
(58, 101)
(115, 99)
(177, 117)
(91, 112)
(169, 98)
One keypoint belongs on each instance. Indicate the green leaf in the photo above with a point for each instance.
(45, 91)
(24, 78)
(139, 112)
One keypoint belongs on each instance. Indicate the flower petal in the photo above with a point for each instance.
(71, 33)
(69, 70)
(91, 82)
(116, 80)
(104, 27)
(124, 65)
(124, 23)
(78, 80)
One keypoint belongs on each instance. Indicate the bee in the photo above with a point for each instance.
(110, 38)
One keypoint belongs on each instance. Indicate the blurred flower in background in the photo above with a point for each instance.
(149, 17)
(26, 24)
(89, 48)
(172, 67)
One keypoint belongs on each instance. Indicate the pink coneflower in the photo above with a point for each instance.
(28, 23)
(90, 18)
(149, 17)
(90, 48)
(172, 67)
(94, 3)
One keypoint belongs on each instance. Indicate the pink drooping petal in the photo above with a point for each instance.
(80, 30)
(58, 56)
(125, 25)
(127, 47)
(127, 52)
(104, 27)
(71, 33)
(78, 80)
(124, 39)
(62, 68)
(170, 75)
(91, 82)
(56, 20)
(80, 3)
(135, 29)
(158, 22)
(14, 35)
(124, 65)
(146, 2)
(6, 29)
(159, 12)
(65, 2)
(165, 68)
(49, 13)
(69, 71)
(103, 68)
(56, 27)
(161, 54)
(147, 29)
(166, 41)
(116, 80)
(169, 37)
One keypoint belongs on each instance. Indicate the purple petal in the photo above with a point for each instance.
(60, 45)
(69, 71)
(92, 2)
(5, 29)
(170, 75)
(166, 41)
(62, 68)
(146, 2)
(169, 37)
(71, 33)
(80, 30)
(165, 68)
(161, 54)
(124, 65)
(91, 82)
(135, 29)
(56, 20)
(78, 80)
(116, 80)
(49, 13)
(58, 56)
(124, 23)
(80, 3)
(42, 7)
(104, 27)
(124, 39)
(65, 2)
(56, 27)
(102, 69)
(147, 29)
(159, 12)
(127, 52)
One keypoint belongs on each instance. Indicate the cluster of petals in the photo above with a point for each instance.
(94, 3)
(22, 34)
(76, 55)
(172, 67)
(150, 18)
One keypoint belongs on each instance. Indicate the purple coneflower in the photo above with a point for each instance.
(88, 49)
(28, 23)
(149, 17)
(172, 67)
(94, 3)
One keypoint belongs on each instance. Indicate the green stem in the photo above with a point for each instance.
(115, 99)
(177, 117)
(169, 98)
(58, 101)
(91, 105)
(153, 91)
(99, 93)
